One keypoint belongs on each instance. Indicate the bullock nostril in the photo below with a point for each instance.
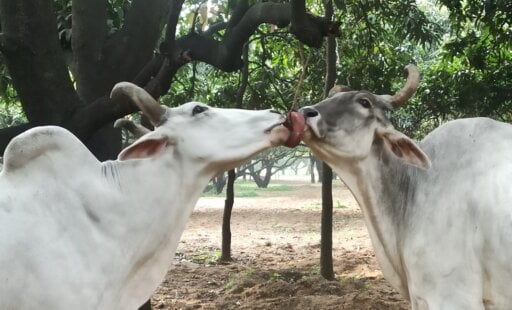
(308, 112)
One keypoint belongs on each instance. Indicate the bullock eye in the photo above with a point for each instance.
(198, 109)
(365, 103)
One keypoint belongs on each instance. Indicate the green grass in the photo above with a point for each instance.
(206, 256)
(239, 277)
(318, 205)
(250, 189)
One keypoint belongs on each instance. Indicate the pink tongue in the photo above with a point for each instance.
(296, 123)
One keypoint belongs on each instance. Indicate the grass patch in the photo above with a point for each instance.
(250, 189)
(236, 279)
(315, 205)
(318, 205)
(277, 188)
(206, 257)
(359, 283)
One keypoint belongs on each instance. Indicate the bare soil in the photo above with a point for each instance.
(276, 252)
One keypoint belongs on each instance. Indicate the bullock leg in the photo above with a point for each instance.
(146, 306)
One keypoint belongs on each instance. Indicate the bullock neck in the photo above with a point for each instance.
(155, 198)
(373, 183)
(159, 188)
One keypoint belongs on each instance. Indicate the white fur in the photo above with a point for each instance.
(76, 233)
(452, 246)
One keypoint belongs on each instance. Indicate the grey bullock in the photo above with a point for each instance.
(76, 233)
(439, 214)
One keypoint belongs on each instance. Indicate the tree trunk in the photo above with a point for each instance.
(312, 162)
(226, 218)
(319, 169)
(219, 182)
(326, 265)
(230, 192)
(262, 182)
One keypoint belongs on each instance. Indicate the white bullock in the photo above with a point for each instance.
(439, 214)
(76, 233)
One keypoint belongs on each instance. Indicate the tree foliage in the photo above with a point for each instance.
(463, 48)
(64, 56)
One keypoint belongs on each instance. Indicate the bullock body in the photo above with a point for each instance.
(439, 215)
(457, 221)
(76, 233)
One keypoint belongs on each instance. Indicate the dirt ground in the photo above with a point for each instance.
(276, 250)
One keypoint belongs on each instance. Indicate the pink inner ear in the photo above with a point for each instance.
(410, 150)
(406, 150)
(143, 149)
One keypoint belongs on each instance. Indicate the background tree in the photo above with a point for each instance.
(116, 41)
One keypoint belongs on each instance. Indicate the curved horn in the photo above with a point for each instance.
(147, 104)
(412, 83)
(136, 130)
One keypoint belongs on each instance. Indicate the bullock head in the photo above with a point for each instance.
(349, 123)
(220, 138)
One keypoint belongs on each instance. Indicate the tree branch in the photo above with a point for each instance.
(35, 60)
(226, 54)
(88, 36)
(244, 77)
(310, 29)
(172, 21)
(129, 50)
(238, 14)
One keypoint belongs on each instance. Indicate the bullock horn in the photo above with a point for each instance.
(147, 104)
(411, 85)
(136, 130)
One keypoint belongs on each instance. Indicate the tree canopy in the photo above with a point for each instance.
(61, 58)
(64, 76)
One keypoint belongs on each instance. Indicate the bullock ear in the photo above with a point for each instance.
(148, 146)
(403, 148)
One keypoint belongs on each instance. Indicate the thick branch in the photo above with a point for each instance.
(129, 50)
(172, 21)
(226, 54)
(244, 77)
(298, 11)
(89, 34)
(238, 14)
(83, 122)
(35, 60)
(86, 120)
(308, 28)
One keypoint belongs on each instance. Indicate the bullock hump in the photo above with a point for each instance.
(53, 143)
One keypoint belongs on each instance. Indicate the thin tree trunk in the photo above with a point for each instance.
(312, 162)
(226, 218)
(230, 195)
(326, 265)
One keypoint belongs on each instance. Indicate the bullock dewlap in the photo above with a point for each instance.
(76, 233)
(439, 213)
